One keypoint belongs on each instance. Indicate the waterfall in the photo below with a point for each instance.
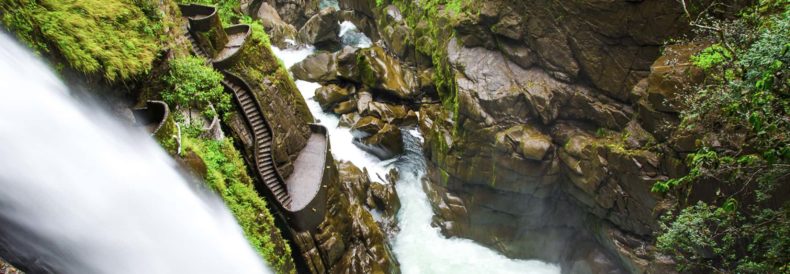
(419, 247)
(83, 193)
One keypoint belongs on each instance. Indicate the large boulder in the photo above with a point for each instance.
(385, 144)
(278, 30)
(319, 67)
(321, 30)
(379, 71)
(296, 12)
(324, 67)
(330, 95)
(366, 126)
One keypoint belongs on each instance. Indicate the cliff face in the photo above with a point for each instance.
(545, 146)
(350, 240)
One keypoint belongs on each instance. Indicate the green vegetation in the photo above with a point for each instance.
(432, 23)
(117, 39)
(226, 174)
(192, 83)
(745, 102)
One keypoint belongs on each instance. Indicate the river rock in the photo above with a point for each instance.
(296, 12)
(350, 239)
(319, 67)
(379, 71)
(348, 119)
(345, 107)
(321, 30)
(324, 67)
(330, 95)
(278, 30)
(385, 144)
(387, 112)
(366, 126)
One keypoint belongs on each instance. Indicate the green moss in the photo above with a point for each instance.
(432, 23)
(118, 39)
(263, 70)
(227, 176)
(167, 136)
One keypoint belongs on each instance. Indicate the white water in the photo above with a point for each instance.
(80, 193)
(351, 36)
(419, 247)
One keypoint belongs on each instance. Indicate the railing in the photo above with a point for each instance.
(201, 17)
(154, 113)
(230, 60)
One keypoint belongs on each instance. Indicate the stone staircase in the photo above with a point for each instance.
(308, 210)
(262, 134)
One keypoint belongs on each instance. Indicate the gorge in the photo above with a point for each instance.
(395, 136)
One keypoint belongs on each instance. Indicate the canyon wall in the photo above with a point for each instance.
(553, 123)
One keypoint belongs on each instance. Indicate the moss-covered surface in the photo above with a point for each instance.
(227, 175)
(261, 69)
(117, 39)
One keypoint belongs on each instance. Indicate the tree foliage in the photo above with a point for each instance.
(743, 112)
(192, 83)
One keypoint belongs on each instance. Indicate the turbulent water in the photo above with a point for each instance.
(351, 36)
(81, 193)
(419, 247)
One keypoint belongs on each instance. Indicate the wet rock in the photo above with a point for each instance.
(194, 164)
(385, 144)
(366, 126)
(386, 112)
(321, 30)
(384, 197)
(296, 12)
(526, 141)
(278, 30)
(346, 60)
(330, 95)
(381, 72)
(519, 54)
(346, 107)
(350, 240)
(364, 6)
(326, 67)
(319, 67)
(349, 119)
(510, 26)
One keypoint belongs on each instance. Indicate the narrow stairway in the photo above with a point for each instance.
(196, 48)
(264, 161)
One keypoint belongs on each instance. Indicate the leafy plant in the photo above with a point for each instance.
(743, 110)
(193, 84)
(226, 174)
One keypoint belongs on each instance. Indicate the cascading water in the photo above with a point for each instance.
(83, 194)
(351, 36)
(419, 247)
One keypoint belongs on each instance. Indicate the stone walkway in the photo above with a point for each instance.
(235, 41)
(305, 181)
